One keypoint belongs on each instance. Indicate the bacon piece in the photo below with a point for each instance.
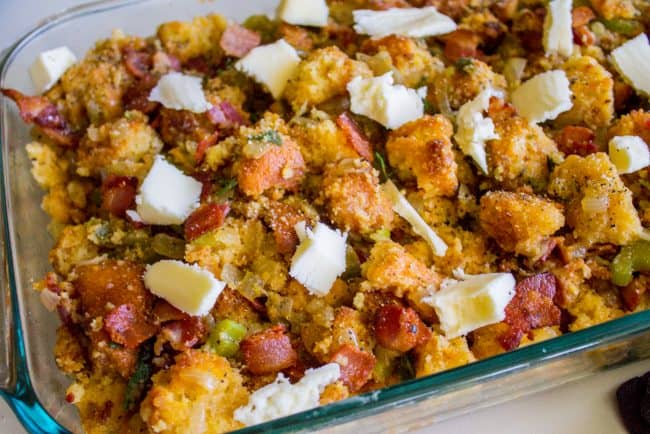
(203, 146)
(296, 36)
(583, 36)
(532, 307)
(577, 140)
(185, 333)
(237, 41)
(206, 218)
(207, 184)
(136, 96)
(225, 115)
(355, 137)
(581, 16)
(165, 312)
(633, 292)
(282, 219)
(356, 366)
(126, 327)
(118, 194)
(399, 328)
(164, 62)
(461, 43)
(269, 351)
(39, 111)
(138, 63)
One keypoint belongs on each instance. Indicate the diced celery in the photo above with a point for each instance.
(225, 337)
(168, 246)
(624, 26)
(632, 258)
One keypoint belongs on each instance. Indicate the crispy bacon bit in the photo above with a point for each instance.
(208, 217)
(549, 247)
(136, 96)
(355, 137)
(282, 219)
(118, 194)
(237, 41)
(399, 328)
(184, 334)
(581, 16)
(225, 115)
(296, 36)
(577, 140)
(126, 327)
(356, 366)
(52, 282)
(461, 43)
(163, 63)
(583, 36)
(44, 114)
(207, 184)
(531, 308)
(269, 351)
(203, 146)
(138, 63)
(633, 292)
(164, 312)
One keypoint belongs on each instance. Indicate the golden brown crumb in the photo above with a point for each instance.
(353, 197)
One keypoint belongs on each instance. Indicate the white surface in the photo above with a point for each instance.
(586, 406)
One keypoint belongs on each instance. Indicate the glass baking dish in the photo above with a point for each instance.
(33, 386)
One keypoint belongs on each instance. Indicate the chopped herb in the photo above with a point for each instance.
(115, 345)
(137, 383)
(465, 64)
(226, 187)
(270, 136)
(380, 164)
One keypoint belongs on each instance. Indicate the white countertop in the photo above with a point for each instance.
(586, 406)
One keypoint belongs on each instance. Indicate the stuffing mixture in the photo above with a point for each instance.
(253, 219)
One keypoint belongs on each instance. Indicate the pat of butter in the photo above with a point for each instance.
(412, 22)
(405, 210)
(188, 288)
(304, 12)
(167, 196)
(271, 65)
(473, 303)
(381, 100)
(320, 257)
(632, 59)
(474, 129)
(281, 398)
(558, 33)
(179, 91)
(629, 154)
(49, 66)
(543, 97)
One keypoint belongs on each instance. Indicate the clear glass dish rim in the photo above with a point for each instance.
(35, 418)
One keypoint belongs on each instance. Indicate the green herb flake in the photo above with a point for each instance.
(465, 64)
(380, 164)
(135, 388)
(226, 186)
(269, 136)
